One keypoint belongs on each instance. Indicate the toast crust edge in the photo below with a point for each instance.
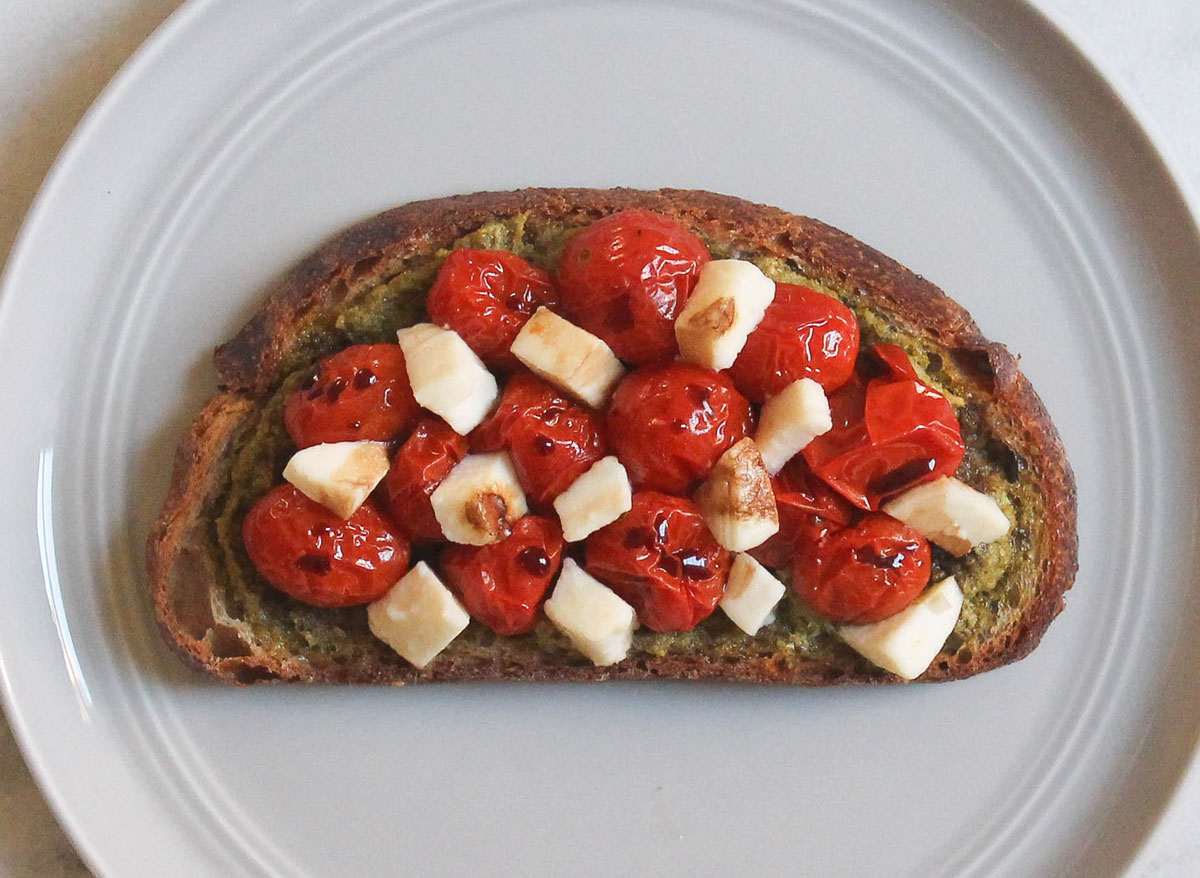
(368, 251)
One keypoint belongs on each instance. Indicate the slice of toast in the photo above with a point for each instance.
(371, 279)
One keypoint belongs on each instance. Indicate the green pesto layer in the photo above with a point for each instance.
(996, 579)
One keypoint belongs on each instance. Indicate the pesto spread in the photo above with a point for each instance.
(995, 580)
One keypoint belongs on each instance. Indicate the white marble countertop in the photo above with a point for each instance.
(56, 56)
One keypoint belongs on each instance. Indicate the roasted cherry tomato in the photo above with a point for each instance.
(425, 458)
(661, 558)
(888, 360)
(804, 334)
(307, 552)
(550, 439)
(486, 296)
(359, 393)
(625, 278)
(670, 423)
(502, 585)
(864, 573)
(890, 433)
(808, 510)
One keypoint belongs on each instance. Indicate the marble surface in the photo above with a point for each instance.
(57, 55)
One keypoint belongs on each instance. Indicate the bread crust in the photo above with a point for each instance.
(370, 251)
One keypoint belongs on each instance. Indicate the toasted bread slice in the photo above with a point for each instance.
(371, 279)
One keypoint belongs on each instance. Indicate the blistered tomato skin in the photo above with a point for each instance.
(891, 432)
(308, 553)
(486, 296)
(809, 510)
(502, 585)
(670, 423)
(626, 277)
(864, 573)
(418, 467)
(661, 558)
(550, 439)
(359, 393)
(804, 334)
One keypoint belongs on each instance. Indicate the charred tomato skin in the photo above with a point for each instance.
(359, 393)
(427, 456)
(864, 573)
(808, 511)
(312, 555)
(803, 334)
(891, 432)
(486, 296)
(550, 439)
(625, 278)
(661, 558)
(670, 423)
(502, 585)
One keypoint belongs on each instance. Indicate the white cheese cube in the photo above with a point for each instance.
(791, 419)
(907, 642)
(598, 497)
(737, 501)
(950, 513)
(338, 475)
(727, 304)
(418, 617)
(598, 623)
(567, 356)
(480, 500)
(751, 594)
(446, 376)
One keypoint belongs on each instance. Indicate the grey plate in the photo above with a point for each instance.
(969, 140)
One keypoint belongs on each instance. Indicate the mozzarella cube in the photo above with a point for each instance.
(446, 376)
(418, 617)
(737, 501)
(598, 623)
(907, 642)
(950, 513)
(338, 475)
(480, 500)
(598, 497)
(751, 594)
(791, 419)
(567, 356)
(729, 301)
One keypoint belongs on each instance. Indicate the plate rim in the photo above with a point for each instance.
(1053, 19)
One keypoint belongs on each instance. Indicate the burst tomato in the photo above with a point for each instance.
(670, 423)
(864, 573)
(808, 510)
(890, 432)
(803, 334)
(425, 458)
(312, 555)
(625, 278)
(502, 585)
(486, 296)
(359, 393)
(550, 439)
(661, 558)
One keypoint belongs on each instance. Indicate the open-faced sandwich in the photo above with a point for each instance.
(595, 434)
